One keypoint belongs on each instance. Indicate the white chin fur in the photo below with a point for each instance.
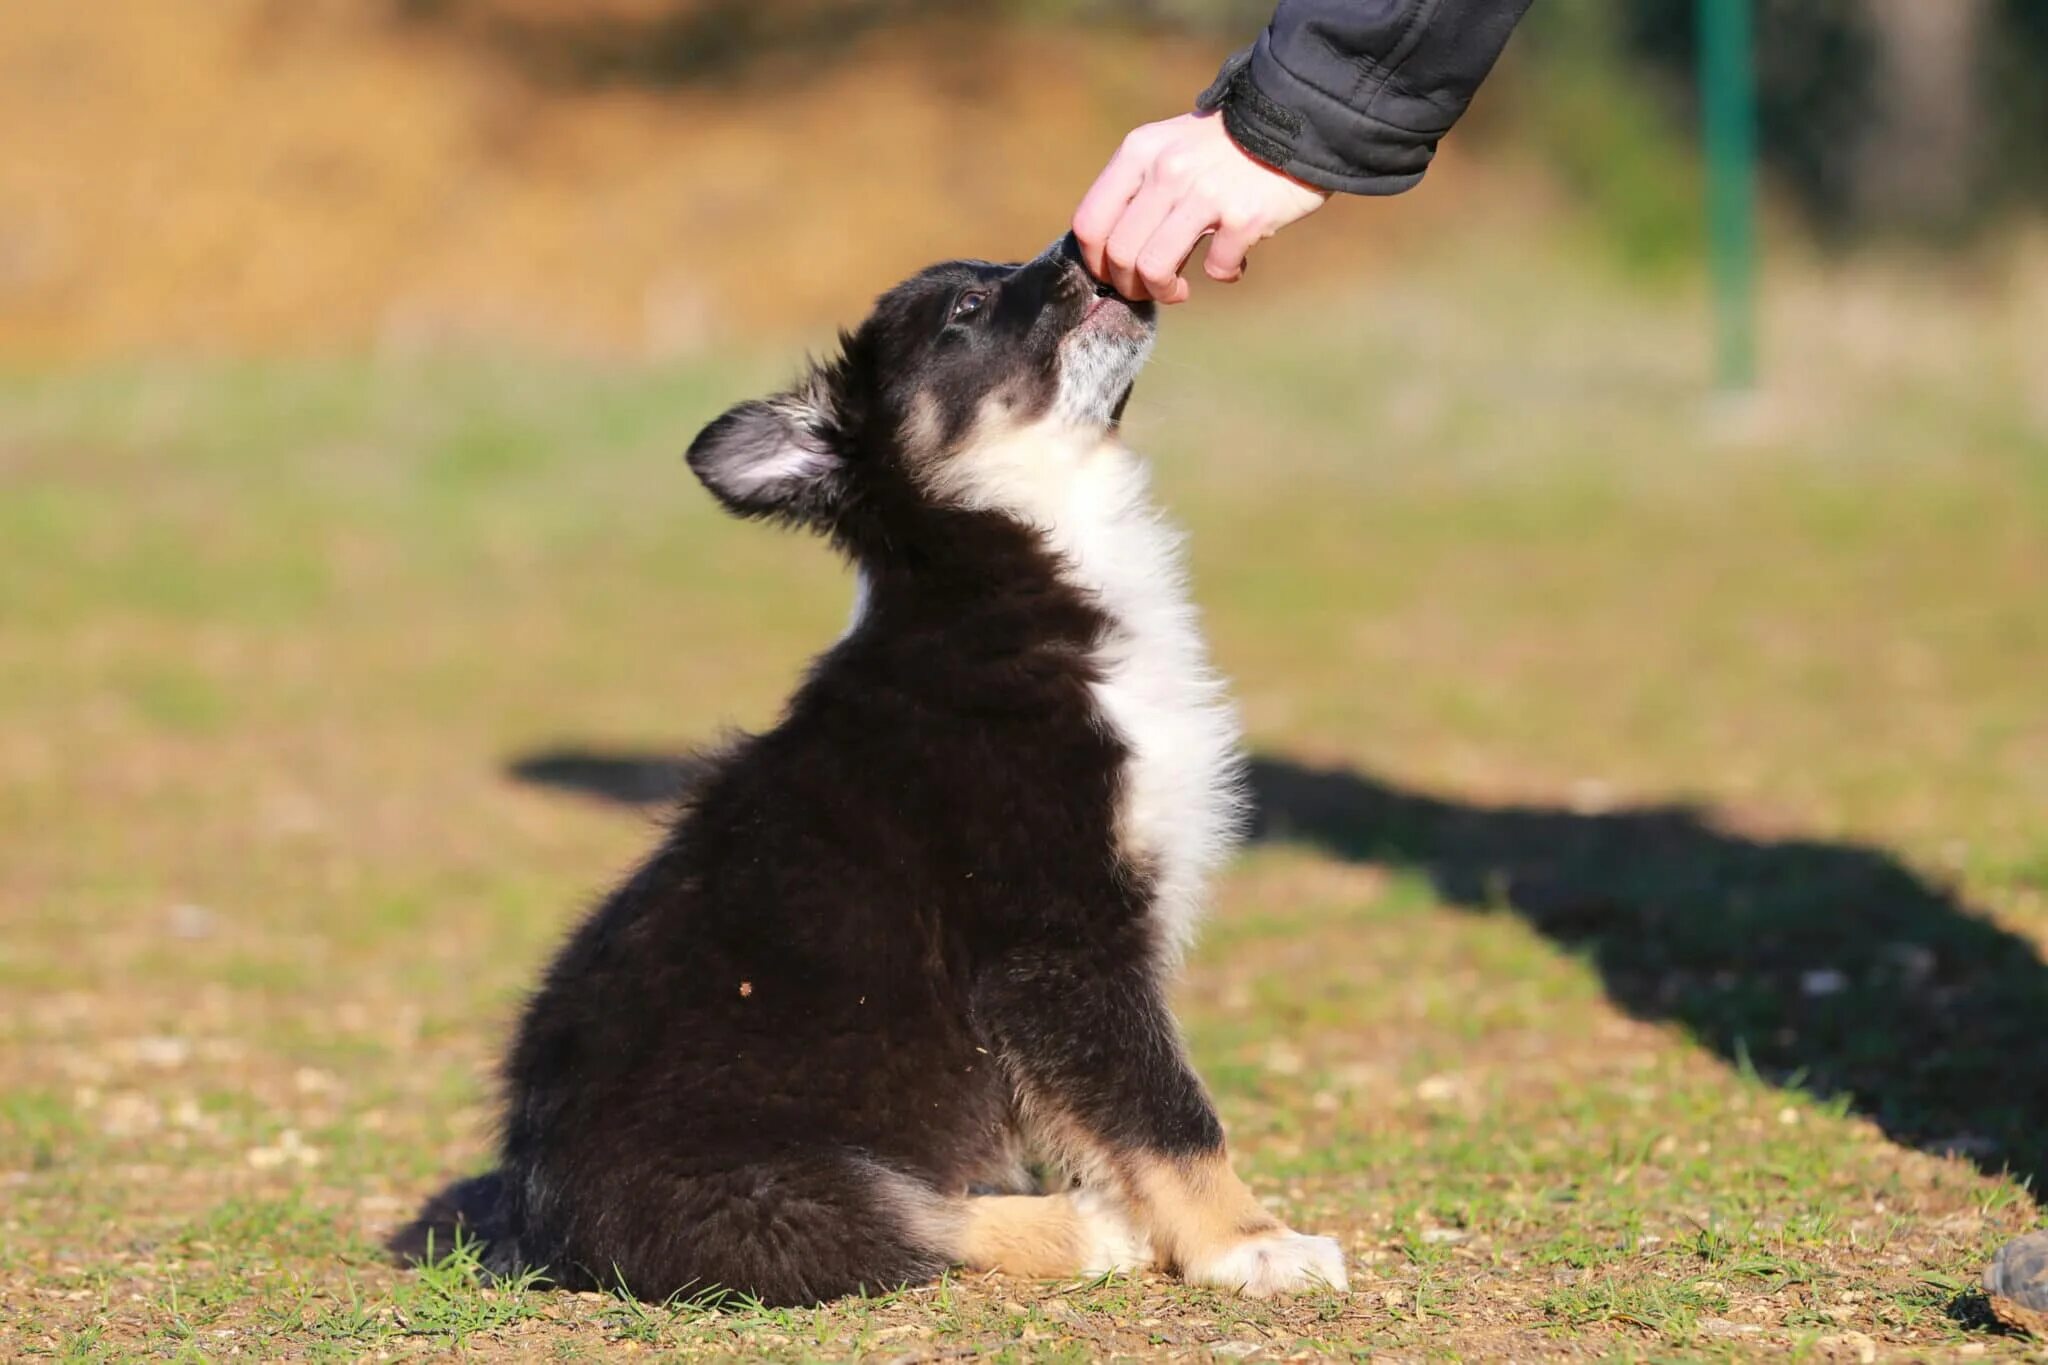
(1181, 796)
(1281, 1263)
(1095, 369)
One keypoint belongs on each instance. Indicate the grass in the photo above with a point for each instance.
(1640, 954)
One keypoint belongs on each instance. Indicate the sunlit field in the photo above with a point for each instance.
(1640, 951)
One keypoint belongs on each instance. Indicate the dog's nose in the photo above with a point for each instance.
(1067, 251)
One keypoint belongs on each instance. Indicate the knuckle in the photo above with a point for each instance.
(1173, 168)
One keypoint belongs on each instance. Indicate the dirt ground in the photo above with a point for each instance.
(1641, 954)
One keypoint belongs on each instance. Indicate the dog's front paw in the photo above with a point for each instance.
(1272, 1263)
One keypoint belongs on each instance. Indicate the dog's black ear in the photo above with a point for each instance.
(774, 456)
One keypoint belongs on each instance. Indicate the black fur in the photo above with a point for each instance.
(771, 1056)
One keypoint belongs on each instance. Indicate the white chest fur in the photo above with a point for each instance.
(1181, 797)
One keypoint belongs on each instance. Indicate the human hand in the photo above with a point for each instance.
(1169, 185)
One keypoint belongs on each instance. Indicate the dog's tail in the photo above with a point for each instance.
(470, 1213)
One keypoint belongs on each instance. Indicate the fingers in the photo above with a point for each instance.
(1104, 203)
(1141, 218)
(1167, 250)
(1234, 239)
(1168, 185)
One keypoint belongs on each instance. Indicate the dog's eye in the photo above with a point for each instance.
(969, 303)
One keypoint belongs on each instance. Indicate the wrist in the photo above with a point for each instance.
(1253, 140)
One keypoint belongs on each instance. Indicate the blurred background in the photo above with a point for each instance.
(650, 176)
(1642, 758)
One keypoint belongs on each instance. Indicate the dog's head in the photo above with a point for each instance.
(960, 360)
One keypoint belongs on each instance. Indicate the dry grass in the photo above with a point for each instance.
(1570, 1072)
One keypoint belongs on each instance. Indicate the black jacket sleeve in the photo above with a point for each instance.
(1352, 95)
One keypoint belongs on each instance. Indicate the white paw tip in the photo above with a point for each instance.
(1277, 1263)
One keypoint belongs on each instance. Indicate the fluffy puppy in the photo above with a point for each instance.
(921, 930)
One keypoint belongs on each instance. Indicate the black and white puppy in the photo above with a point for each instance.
(919, 934)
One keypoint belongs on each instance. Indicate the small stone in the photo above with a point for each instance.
(1722, 1327)
(312, 1081)
(190, 922)
(127, 1114)
(289, 1147)
(1856, 1345)
(1283, 1060)
(1438, 1089)
(1822, 981)
(1437, 1237)
(163, 1052)
(2017, 1282)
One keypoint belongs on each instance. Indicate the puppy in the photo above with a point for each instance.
(921, 931)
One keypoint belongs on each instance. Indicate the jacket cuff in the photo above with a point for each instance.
(1281, 120)
(1213, 98)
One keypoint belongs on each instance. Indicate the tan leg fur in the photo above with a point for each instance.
(1048, 1236)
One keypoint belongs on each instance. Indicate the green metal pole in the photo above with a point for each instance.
(1728, 105)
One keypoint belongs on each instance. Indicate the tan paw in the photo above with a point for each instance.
(1274, 1263)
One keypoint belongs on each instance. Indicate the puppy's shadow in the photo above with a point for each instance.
(1829, 966)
